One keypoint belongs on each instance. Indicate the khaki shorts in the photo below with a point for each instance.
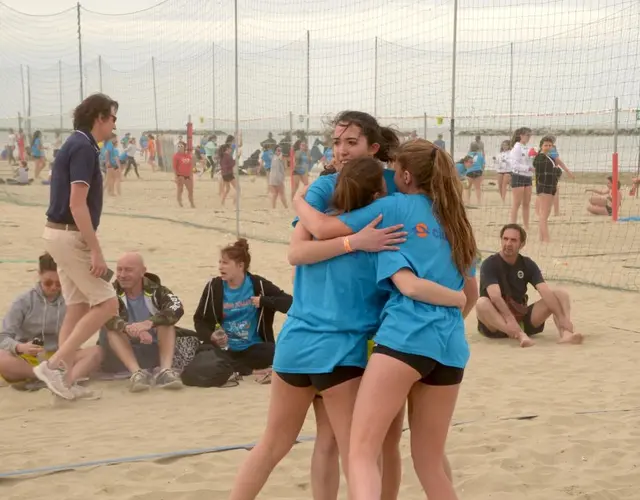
(73, 257)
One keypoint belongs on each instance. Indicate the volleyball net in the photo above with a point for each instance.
(565, 68)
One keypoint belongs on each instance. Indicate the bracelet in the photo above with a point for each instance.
(347, 245)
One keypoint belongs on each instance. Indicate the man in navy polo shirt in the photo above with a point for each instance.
(70, 238)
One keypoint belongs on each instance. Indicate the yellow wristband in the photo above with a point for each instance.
(347, 245)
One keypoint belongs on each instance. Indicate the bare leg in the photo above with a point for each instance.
(87, 361)
(117, 181)
(121, 346)
(490, 317)
(273, 194)
(283, 198)
(39, 167)
(325, 463)
(517, 195)
(598, 201)
(179, 189)
(189, 185)
(296, 183)
(166, 345)
(225, 192)
(541, 312)
(556, 202)
(288, 408)
(15, 369)
(526, 206)
(597, 210)
(75, 312)
(391, 459)
(544, 202)
(477, 186)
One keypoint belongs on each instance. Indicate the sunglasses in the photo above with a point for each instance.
(51, 283)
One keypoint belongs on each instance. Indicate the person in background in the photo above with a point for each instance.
(521, 163)
(327, 154)
(560, 166)
(183, 170)
(144, 145)
(227, 165)
(265, 160)
(479, 143)
(601, 203)
(546, 186)
(152, 152)
(244, 305)
(112, 160)
(131, 157)
(476, 172)
(461, 168)
(20, 140)
(30, 333)
(301, 169)
(143, 335)
(178, 141)
(11, 147)
(125, 140)
(37, 152)
(22, 176)
(439, 142)
(210, 148)
(503, 168)
(276, 179)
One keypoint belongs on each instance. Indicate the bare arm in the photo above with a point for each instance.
(471, 292)
(602, 192)
(321, 226)
(561, 164)
(427, 291)
(550, 300)
(495, 295)
(81, 216)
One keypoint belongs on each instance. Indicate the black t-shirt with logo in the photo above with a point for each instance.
(512, 279)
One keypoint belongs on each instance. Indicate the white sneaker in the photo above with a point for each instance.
(54, 378)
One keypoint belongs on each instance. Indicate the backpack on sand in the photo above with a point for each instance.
(209, 368)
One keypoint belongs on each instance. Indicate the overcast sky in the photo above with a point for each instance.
(568, 56)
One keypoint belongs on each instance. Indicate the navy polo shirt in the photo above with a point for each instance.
(77, 161)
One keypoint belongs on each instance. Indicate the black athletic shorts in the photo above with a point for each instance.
(322, 381)
(527, 327)
(475, 175)
(518, 181)
(255, 357)
(547, 184)
(228, 177)
(431, 371)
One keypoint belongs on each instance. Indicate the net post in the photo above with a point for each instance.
(375, 79)
(189, 135)
(453, 77)
(155, 96)
(213, 87)
(615, 174)
(511, 88)
(237, 119)
(425, 125)
(60, 91)
(308, 80)
(29, 103)
(80, 53)
(100, 71)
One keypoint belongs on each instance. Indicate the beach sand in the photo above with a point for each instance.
(578, 444)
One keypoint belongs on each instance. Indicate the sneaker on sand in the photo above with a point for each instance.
(29, 385)
(81, 392)
(168, 379)
(54, 378)
(140, 381)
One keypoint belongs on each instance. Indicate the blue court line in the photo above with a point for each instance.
(220, 449)
(633, 218)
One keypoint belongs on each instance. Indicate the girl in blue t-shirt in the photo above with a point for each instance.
(322, 346)
(423, 345)
(37, 152)
(475, 171)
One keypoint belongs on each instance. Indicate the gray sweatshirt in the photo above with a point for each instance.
(32, 316)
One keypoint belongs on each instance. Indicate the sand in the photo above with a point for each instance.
(562, 453)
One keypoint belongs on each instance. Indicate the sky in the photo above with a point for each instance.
(569, 57)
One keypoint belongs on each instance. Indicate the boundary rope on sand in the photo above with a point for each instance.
(220, 449)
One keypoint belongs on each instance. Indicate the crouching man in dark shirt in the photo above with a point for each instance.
(503, 310)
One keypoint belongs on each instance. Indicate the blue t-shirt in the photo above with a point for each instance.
(328, 154)
(108, 147)
(410, 326)
(553, 154)
(440, 143)
(77, 161)
(240, 320)
(35, 148)
(267, 156)
(462, 172)
(336, 306)
(138, 311)
(478, 162)
(144, 141)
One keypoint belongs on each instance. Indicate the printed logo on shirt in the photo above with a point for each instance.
(422, 231)
(520, 274)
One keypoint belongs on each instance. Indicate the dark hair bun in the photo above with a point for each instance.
(242, 243)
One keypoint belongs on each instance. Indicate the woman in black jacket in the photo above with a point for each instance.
(243, 305)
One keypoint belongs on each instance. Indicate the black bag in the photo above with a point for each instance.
(209, 368)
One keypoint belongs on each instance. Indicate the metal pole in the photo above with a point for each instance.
(308, 82)
(615, 166)
(425, 125)
(237, 167)
(453, 77)
(100, 71)
(24, 105)
(375, 79)
(29, 103)
(60, 90)
(511, 89)
(292, 156)
(213, 87)
(80, 54)
(155, 96)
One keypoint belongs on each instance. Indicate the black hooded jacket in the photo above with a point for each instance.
(210, 310)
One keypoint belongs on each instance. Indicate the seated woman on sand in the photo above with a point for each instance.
(30, 333)
(236, 312)
(601, 202)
